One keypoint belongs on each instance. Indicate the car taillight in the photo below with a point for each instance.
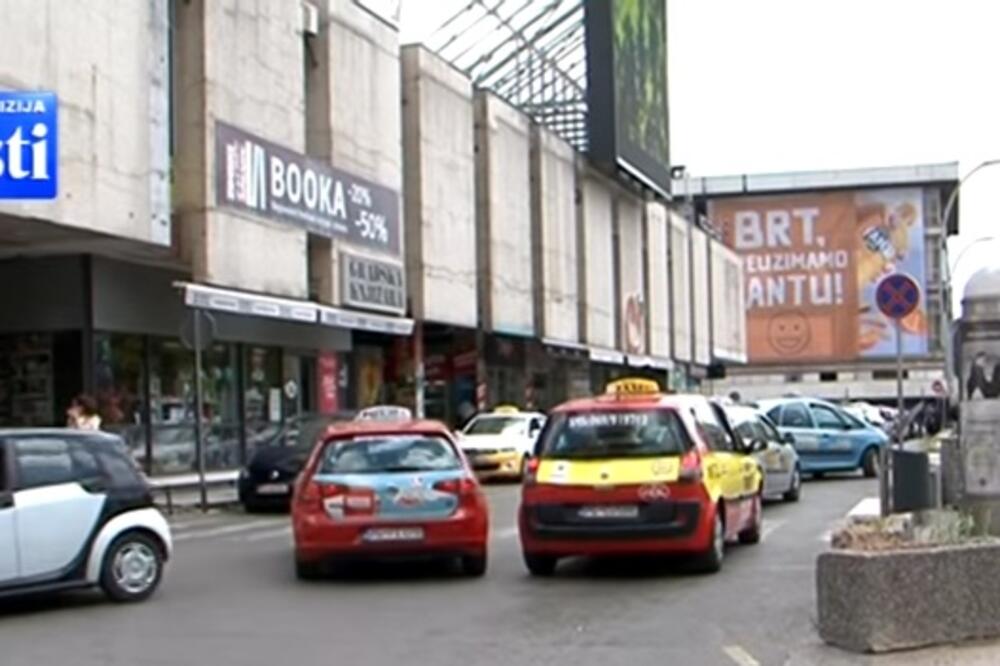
(531, 470)
(313, 493)
(464, 488)
(690, 471)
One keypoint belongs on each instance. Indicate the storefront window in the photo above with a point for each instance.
(262, 395)
(119, 384)
(26, 380)
(172, 408)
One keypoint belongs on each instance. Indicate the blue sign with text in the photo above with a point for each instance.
(29, 145)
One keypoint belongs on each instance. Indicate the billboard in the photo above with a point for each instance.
(811, 264)
(628, 122)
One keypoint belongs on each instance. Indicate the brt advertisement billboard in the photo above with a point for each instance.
(628, 120)
(812, 263)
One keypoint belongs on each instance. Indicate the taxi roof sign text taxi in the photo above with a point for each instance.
(633, 386)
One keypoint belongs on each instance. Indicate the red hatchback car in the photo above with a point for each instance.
(388, 489)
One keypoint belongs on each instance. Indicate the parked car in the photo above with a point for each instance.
(265, 483)
(775, 452)
(827, 438)
(75, 511)
(387, 487)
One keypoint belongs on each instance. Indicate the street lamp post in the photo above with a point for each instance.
(946, 313)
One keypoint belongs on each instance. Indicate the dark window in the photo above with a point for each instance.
(774, 414)
(794, 415)
(828, 376)
(119, 467)
(714, 431)
(85, 466)
(42, 461)
(619, 434)
(771, 433)
(827, 418)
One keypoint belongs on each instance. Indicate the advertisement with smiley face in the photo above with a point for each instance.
(811, 263)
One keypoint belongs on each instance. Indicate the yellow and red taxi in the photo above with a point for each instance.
(386, 486)
(637, 471)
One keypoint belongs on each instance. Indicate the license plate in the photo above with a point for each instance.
(609, 511)
(384, 534)
(272, 489)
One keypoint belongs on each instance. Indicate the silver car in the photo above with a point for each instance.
(775, 453)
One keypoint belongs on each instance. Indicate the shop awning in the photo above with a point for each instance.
(610, 356)
(233, 301)
(642, 361)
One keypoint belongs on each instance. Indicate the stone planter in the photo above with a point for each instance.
(908, 598)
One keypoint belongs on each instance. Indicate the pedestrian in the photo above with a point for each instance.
(82, 413)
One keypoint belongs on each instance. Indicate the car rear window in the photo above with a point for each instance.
(615, 434)
(494, 425)
(385, 454)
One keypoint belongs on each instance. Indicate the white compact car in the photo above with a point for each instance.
(76, 512)
(499, 443)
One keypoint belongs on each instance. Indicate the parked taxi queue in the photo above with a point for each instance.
(634, 471)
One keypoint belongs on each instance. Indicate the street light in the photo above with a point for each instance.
(946, 313)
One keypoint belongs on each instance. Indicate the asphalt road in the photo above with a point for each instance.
(230, 597)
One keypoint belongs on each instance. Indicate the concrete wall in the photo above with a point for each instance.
(252, 77)
(440, 199)
(729, 341)
(702, 303)
(631, 274)
(503, 212)
(658, 273)
(107, 63)
(680, 269)
(553, 189)
(596, 221)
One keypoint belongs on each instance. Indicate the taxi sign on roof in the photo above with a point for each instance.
(633, 386)
(506, 409)
(384, 413)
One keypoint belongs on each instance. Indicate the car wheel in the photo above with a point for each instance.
(752, 534)
(711, 560)
(308, 570)
(474, 566)
(132, 568)
(869, 463)
(795, 487)
(540, 565)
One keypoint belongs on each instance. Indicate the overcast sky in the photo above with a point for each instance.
(788, 85)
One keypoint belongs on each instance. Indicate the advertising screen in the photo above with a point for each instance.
(628, 118)
(812, 263)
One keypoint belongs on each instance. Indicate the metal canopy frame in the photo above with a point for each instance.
(529, 52)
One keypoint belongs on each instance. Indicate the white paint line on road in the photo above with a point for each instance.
(740, 656)
(223, 531)
(868, 507)
(770, 526)
(284, 532)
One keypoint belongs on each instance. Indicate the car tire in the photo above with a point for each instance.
(540, 565)
(132, 567)
(751, 535)
(794, 491)
(869, 462)
(711, 560)
(308, 570)
(474, 566)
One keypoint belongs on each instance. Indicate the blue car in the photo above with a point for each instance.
(827, 438)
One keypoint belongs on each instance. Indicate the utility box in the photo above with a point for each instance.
(912, 484)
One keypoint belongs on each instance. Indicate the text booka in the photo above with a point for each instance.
(281, 184)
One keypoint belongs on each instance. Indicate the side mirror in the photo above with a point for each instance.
(788, 438)
(758, 445)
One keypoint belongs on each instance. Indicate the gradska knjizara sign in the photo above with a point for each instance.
(373, 285)
(255, 175)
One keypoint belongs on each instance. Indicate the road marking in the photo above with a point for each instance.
(223, 531)
(270, 534)
(740, 656)
(769, 528)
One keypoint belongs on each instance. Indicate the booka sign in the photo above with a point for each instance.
(28, 145)
(277, 183)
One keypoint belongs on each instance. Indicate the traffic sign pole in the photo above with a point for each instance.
(897, 295)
